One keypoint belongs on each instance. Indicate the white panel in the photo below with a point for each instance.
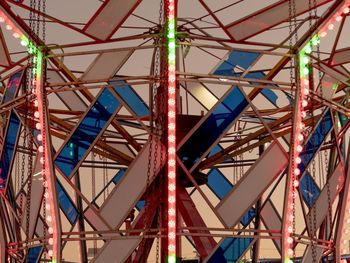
(322, 201)
(201, 94)
(109, 16)
(260, 21)
(257, 179)
(271, 220)
(117, 250)
(106, 65)
(131, 187)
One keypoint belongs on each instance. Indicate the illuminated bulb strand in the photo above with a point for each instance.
(297, 147)
(344, 240)
(40, 126)
(305, 66)
(171, 47)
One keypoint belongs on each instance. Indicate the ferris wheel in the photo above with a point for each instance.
(174, 131)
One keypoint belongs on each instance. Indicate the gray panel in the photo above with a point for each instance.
(272, 221)
(341, 56)
(108, 18)
(273, 15)
(321, 204)
(307, 258)
(106, 65)
(201, 94)
(252, 185)
(118, 250)
(69, 98)
(131, 187)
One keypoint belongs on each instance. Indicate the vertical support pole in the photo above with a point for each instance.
(171, 131)
(53, 216)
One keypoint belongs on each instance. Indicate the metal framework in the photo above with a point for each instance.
(174, 131)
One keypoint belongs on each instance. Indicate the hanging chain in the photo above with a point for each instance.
(293, 81)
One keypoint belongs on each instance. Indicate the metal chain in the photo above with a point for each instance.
(161, 125)
(293, 82)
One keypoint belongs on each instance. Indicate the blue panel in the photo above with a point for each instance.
(315, 141)
(220, 186)
(213, 127)
(34, 254)
(217, 148)
(8, 148)
(66, 204)
(90, 127)
(118, 176)
(244, 60)
(309, 189)
(131, 98)
(230, 250)
(236, 58)
(218, 183)
(12, 87)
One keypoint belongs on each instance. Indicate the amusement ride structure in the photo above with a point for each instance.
(175, 131)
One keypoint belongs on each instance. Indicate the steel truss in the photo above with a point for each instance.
(239, 70)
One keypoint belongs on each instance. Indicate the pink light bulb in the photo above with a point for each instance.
(51, 241)
(296, 171)
(323, 34)
(331, 26)
(38, 126)
(36, 114)
(296, 183)
(299, 148)
(41, 148)
(300, 137)
(15, 35)
(298, 160)
(346, 10)
(50, 253)
(9, 27)
(338, 18)
(304, 103)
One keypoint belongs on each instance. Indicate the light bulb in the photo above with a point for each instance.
(296, 171)
(346, 10)
(339, 18)
(299, 148)
(331, 26)
(296, 183)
